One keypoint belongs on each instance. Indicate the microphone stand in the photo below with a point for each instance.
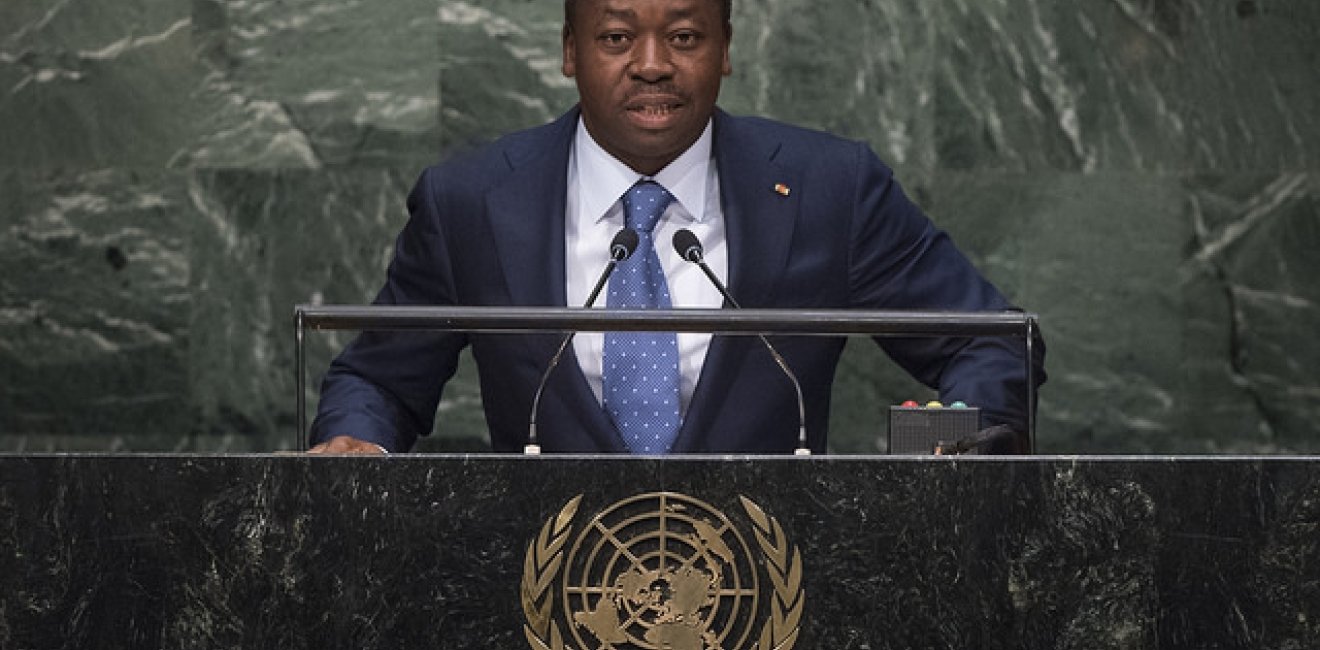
(690, 249)
(625, 242)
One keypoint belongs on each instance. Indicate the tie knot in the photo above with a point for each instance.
(643, 205)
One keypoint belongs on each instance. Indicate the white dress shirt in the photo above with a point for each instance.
(596, 183)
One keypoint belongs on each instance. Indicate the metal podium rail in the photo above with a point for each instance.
(833, 322)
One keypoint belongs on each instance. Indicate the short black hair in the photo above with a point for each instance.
(726, 9)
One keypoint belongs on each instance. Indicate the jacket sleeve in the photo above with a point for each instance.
(900, 260)
(385, 386)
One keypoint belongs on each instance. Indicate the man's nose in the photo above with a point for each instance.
(652, 62)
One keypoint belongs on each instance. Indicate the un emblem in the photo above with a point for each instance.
(661, 571)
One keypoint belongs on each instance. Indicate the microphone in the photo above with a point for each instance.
(621, 248)
(690, 249)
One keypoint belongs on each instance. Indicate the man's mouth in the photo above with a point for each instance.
(654, 109)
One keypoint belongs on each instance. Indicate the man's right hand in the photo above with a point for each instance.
(347, 445)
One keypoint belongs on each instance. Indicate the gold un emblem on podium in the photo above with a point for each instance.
(661, 571)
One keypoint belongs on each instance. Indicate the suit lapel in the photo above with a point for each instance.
(759, 221)
(526, 216)
(526, 213)
(758, 218)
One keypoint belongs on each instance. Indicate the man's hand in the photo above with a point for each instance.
(347, 445)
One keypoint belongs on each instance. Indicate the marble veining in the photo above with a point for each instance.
(418, 551)
(175, 176)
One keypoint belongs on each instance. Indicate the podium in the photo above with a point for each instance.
(104, 551)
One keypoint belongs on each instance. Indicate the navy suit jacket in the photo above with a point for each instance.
(487, 228)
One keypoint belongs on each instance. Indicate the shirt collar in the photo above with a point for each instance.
(685, 177)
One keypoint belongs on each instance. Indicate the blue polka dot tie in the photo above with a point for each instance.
(640, 373)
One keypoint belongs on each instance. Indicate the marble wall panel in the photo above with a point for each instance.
(1093, 256)
(1128, 84)
(859, 69)
(1142, 173)
(1244, 86)
(1178, 309)
(265, 241)
(1250, 269)
(308, 84)
(90, 84)
(500, 68)
(94, 309)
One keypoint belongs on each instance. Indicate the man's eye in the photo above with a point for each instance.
(615, 39)
(685, 38)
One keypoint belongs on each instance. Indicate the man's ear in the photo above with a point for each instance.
(570, 53)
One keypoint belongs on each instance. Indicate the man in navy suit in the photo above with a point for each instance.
(792, 218)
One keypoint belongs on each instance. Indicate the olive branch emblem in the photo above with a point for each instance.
(545, 554)
(781, 631)
(545, 558)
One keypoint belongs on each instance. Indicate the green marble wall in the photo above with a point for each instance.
(174, 176)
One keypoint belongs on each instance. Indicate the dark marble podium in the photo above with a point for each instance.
(432, 551)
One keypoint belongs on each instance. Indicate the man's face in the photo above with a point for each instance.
(648, 73)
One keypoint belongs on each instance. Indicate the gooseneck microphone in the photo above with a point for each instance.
(621, 248)
(690, 249)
